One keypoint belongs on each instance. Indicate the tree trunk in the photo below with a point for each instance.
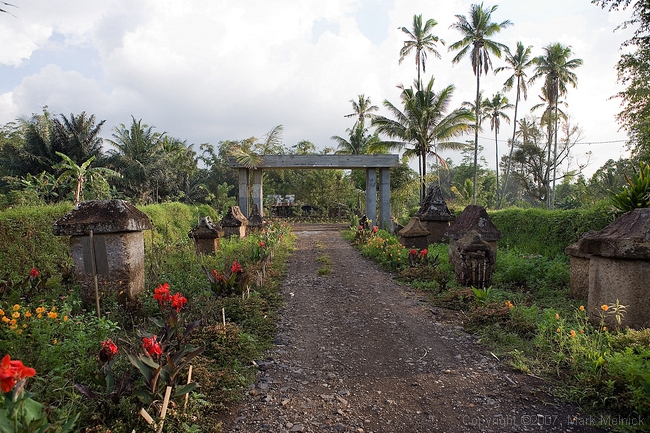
(512, 146)
(554, 157)
(478, 95)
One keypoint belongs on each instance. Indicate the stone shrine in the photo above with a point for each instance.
(206, 236)
(234, 223)
(619, 269)
(434, 215)
(118, 247)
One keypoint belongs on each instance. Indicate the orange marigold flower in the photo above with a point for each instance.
(573, 334)
(557, 330)
(13, 322)
(16, 307)
(2, 313)
(604, 307)
(557, 316)
(13, 327)
(6, 319)
(15, 314)
(28, 313)
(52, 315)
(55, 341)
(40, 310)
(582, 308)
(604, 328)
(38, 316)
(65, 318)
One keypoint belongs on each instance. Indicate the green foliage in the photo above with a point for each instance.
(172, 221)
(27, 239)
(636, 194)
(538, 231)
(483, 296)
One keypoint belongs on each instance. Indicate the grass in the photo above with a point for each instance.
(326, 262)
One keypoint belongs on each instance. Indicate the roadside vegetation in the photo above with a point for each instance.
(527, 318)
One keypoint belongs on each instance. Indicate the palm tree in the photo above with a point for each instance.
(360, 142)
(517, 62)
(363, 109)
(494, 110)
(476, 32)
(556, 67)
(138, 157)
(78, 136)
(420, 39)
(424, 124)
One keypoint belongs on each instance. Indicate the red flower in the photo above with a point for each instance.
(178, 301)
(161, 294)
(151, 346)
(360, 227)
(11, 372)
(413, 252)
(424, 252)
(262, 244)
(33, 273)
(108, 351)
(236, 267)
(375, 229)
(218, 276)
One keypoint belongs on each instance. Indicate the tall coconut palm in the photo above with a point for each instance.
(361, 142)
(476, 31)
(78, 136)
(556, 66)
(517, 62)
(424, 123)
(494, 110)
(363, 110)
(422, 41)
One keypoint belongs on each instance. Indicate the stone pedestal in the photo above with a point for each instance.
(434, 215)
(473, 260)
(579, 271)
(414, 235)
(234, 223)
(619, 269)
(118, 247)
(206, 236)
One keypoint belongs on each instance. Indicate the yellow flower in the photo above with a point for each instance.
(52, 315)
(40, 310)
(582, 308)
(604, 307)
(573, 334)
(557, 330)
(12, 327)
(13, 322)
(24, 325)
(28, 313)
(55, 341)
(16, 307)
(604, 328)
(20, 331)
(39, 315)
(65, 318)
(15, 314)
(557, 316)
(53, 308)
(6, 319)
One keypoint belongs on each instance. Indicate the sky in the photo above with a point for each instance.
(206, 71)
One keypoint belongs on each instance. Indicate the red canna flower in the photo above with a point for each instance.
(424, 252)
(413, 252)
(236, 267)
(360, 227)
(161, 294)
(178, 301)
(151, 346)
(262, 244)
(108, 351)
(375, 229)
(12, 372)
(33, 273)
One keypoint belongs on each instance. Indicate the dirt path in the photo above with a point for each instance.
(357, 352)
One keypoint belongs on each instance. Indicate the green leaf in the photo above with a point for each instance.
(185, 389)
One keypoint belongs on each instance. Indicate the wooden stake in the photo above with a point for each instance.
(223, 316)
(187, 396)
(146, 416)
(163, 411)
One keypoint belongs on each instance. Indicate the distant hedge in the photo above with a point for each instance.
(27, 240)
(546, 232)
